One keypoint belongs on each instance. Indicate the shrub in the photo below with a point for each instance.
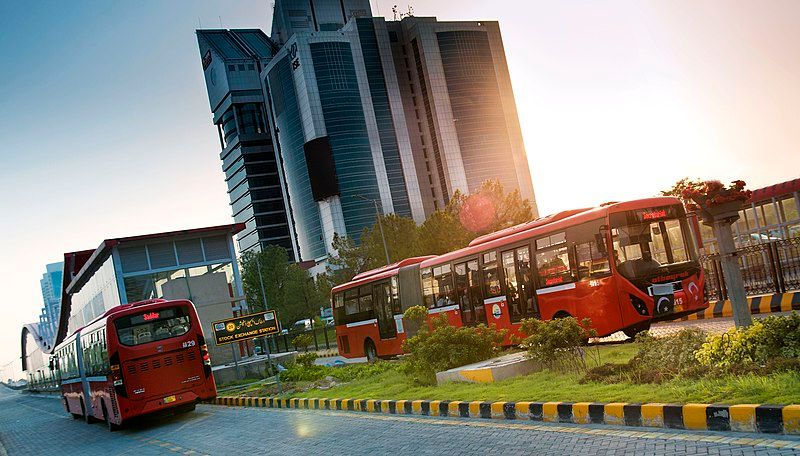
(445, 347)
(413, 319)
(306, 359)
(656, 360)
(767, 339)
(302, 341)
(300, 372)
(309, 372)
(557, 344)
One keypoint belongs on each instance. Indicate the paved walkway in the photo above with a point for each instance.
(37, 425)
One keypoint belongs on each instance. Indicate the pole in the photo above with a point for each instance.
(732, 273)
(264, 298)
(235, 361)
(383, 238)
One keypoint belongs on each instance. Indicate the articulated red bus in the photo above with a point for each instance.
(135, 359)
(622, 265)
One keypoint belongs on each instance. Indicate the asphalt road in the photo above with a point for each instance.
(35, 425)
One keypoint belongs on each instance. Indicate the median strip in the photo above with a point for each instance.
(761, 418)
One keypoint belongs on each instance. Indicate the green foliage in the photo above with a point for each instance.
(300, 372)
(558, 343)
(306, 359)
(657, 360)
(413, 319)
(444, 231)
(764, 340)
(302, 341)
(289, 289)
(446, 347)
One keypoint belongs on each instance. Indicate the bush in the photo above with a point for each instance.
(557, 344)
(413, 319)
(302, 341)
(764, 340)
(302, 372)
(306, 359)
(656, 360)
(445, 347)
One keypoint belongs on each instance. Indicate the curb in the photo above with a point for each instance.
(771, 303)
(772, 419)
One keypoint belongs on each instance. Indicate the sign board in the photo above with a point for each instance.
(244, 327)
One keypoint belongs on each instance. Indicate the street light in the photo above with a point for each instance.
(380, 225)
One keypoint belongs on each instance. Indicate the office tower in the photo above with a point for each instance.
(232, 60)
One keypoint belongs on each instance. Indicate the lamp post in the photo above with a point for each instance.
(380, 225)
(264, 299)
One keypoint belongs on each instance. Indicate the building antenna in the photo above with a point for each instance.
(199, 22)
(394, 12)
(220, 21)
(410, 11)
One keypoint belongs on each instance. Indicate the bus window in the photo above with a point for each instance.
(443, 285)
(462, 293)
(591, 262)
(553, 264)
(527, 294)
(396, 309)
(512, 286)
(152, 326)
(427, 288)
(491, 276)
(365, 300)
(351, 301)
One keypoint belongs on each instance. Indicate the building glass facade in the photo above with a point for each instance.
(383, 116)
(98, 294)
(344, 120)
(477, 108)
(286, 114)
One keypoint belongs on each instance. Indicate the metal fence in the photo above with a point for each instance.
(319, 338)
(772, 267)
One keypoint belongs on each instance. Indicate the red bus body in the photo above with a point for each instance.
(622, 265)
(105, 379)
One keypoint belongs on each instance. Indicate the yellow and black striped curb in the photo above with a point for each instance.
(772, 303)
(742, 418)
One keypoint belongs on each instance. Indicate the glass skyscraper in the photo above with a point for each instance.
(361, 111)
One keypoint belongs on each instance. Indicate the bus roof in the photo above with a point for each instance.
(381, 272)
(497, 239)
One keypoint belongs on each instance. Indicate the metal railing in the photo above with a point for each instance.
(320, 338)
(772, 267)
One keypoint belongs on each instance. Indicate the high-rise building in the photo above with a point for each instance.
(232, 61)
(462, 118)
(372, 115)
(51, 295)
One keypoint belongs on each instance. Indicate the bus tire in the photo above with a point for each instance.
(111, 426)
(632, 331)
(561, 314)
(369, 351)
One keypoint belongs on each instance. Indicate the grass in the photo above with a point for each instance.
(782, 388)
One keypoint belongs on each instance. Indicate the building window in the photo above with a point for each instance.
(231, 67)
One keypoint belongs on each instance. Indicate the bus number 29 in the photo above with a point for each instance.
(189, 343)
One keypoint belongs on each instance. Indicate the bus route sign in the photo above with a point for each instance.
(245, 327)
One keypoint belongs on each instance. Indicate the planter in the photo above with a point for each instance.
(728, 211)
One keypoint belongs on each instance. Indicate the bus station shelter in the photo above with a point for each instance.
(196, 264)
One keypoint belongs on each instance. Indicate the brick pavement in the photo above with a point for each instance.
(36, 425)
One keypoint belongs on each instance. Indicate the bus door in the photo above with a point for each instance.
(468, 292)
(382, 293)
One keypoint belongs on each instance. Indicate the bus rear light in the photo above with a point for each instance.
(204, 353)
(116, 375)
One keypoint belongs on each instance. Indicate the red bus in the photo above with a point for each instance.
(135, 359)
(622, 265)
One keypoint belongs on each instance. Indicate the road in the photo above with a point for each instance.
(34, 425)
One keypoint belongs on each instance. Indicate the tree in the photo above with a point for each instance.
(401, 236)
(290, 291)
(442, 232)
(490, 208)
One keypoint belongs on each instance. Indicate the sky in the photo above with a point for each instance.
(106, 129)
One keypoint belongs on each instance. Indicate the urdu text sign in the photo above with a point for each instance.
(244, 327)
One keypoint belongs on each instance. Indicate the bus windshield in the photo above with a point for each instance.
(647, 241)
(151, 326)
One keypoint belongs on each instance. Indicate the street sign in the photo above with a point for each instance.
(244, 327)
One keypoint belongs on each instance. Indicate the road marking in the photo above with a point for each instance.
(650, 434)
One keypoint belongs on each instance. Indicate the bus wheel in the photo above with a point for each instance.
(369, 351)
(632, 331)
(111, 426)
